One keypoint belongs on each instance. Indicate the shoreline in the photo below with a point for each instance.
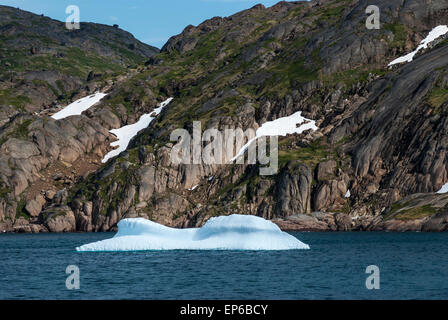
(314, 222)
(340, 222)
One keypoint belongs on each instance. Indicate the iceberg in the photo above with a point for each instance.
(79, 106)
(235, 232)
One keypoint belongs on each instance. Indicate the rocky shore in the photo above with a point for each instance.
(328, 222)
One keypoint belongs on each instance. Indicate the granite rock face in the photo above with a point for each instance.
(39, 155)
(375, 162)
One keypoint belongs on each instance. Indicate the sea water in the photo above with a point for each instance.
(411, 265)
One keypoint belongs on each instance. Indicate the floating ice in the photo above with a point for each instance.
(280, 127)
(433, 35)
(79, 106)
(235, 232)
(126, 133)
(444, 189)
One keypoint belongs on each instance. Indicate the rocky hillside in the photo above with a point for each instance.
(375, 162)
(43, 63)
(44, 66)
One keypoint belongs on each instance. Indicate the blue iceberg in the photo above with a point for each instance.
(235, 232)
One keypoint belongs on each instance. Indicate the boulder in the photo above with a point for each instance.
(19, 149)
(34, 207)
(326, 170)
(294, 190)
(59, 219)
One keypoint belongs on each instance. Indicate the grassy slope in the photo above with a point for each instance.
(30, 42)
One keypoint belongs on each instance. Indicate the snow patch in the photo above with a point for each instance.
(79, 106)
(444, 189)
(433, 35)
(235, 232)
(281, 127)
(194, 187)
(348, 194)
(126, 133)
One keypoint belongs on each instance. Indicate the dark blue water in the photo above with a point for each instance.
(412, 266)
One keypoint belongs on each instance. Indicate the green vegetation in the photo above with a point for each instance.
(4, 192)
(301, 72)
(285, 74)
(60, 85)
(73, 61)
(333, 12)
(94, 187)
(437, 97)
(133, 155)
(441, 44)
(395, 208)
(7, 97)
(205, 50)
(413, 213)
(125, 98)
(128, 56)
(351, 77)
(20, 211)
(49, 53)
(404, 211)
(42, 83)
(311, 155)
(400, 34)
(19, 132)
